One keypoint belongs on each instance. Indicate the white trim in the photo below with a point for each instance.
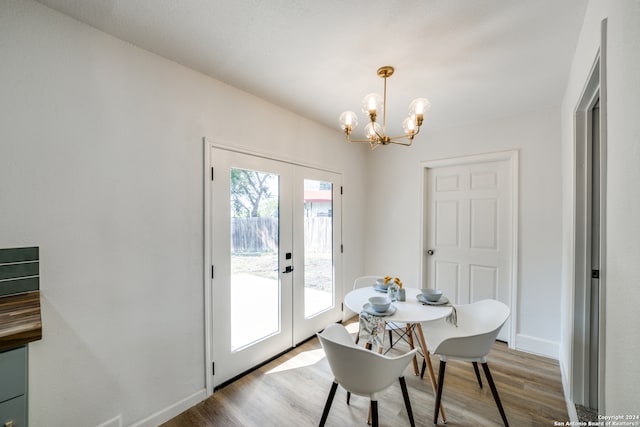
(566, 388)
(113, 422)
(208, 303)
(603, 219)
(539, 346)
(473, 158)
(594, 88)
(512, 156)
(171, 411)
(268, 156)
(515, 226)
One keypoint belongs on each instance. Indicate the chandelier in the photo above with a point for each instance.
(374, 105)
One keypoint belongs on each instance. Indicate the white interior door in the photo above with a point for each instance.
(275, 239)
(468, 232)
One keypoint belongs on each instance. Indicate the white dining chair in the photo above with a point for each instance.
(362, 372)
(478, 326)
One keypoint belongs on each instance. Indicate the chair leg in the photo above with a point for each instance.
(494, 391)
(348, 397)
(374, 413)
(407, 402)
(443, 365)
(475, 368)
(390, 338)
(424, 366)
(412, 346)
(327, 405)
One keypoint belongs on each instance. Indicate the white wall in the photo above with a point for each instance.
(394, 211)
(622, 290)
(101, 159)
(101, 165)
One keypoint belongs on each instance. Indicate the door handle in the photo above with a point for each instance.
(430, 252)
(288, 269)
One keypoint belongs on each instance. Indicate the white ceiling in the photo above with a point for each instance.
(474, 60)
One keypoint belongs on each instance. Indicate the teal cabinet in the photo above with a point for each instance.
(13, 387)
(20, 324)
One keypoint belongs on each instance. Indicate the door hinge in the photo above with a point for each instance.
(341, 248)
(341, 190)
(212, 272)
(213, 368)
(212, 174)
(341, 306)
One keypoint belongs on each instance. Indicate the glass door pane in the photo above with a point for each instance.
(255, 290)
(317, 290)
(318, 247)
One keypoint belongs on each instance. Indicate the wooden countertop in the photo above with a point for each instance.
(20, 319)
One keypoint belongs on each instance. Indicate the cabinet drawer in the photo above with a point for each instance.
(13, 373)
(14, 412)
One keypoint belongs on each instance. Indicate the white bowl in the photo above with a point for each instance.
(380, 283)
(380, 304)
(431, 295)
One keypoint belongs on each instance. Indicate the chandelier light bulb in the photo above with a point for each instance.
(348, 121)
(372, 105)
(409, 126)
(419, 107)
(372, 130)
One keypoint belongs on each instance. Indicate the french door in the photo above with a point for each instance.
(275, 256)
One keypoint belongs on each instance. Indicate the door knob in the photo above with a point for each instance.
(288, 269)
(430, 252)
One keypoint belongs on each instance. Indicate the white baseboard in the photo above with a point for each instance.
(171, 411)
(113, 422)
(538, 346)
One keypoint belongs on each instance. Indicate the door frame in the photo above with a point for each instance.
(512, 157)
(207, 171)
(594, 90)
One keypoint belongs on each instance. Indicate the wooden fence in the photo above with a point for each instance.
(256, 235)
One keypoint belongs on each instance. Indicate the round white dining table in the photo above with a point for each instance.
(411, 312)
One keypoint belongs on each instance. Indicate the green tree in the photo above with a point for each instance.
(249, 189)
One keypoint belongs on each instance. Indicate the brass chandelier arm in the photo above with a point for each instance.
(381, 140)
(410, 137)
(360, 140)
(406, 144)
(396, 139)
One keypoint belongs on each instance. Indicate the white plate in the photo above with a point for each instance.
(441, 301)
(367, 307)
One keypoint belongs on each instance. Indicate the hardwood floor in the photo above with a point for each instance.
(292, 390)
